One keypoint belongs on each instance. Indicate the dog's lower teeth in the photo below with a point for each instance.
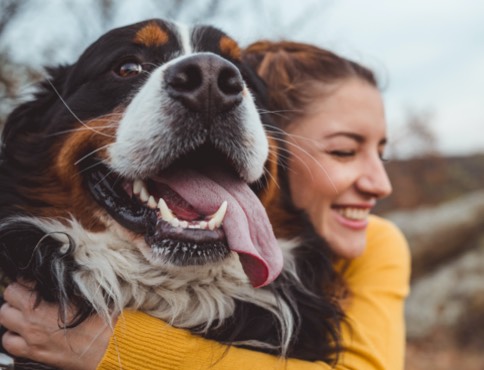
(189, 253)
(166, 214)
(152, 202)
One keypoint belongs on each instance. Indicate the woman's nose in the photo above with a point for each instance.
(374, 180)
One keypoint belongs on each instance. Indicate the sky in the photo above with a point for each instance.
(429, 54)
(433, 52)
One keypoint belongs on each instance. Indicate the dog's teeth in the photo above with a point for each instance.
(137, 186)
(218, 217)
(166, 213)
(152, 202)
(144, 195)
(168, 216)
(175, 222)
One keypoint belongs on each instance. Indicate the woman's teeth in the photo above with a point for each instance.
(211, 223)
(358, 214)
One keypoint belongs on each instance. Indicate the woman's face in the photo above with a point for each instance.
(336, 172)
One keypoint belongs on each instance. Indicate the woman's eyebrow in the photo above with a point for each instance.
(351, 135)
(354, 136)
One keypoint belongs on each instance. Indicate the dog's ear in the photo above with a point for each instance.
(267, 186)
(255, 84)
(29, 253)
(23, 141)
(28, 118)
(25, 251)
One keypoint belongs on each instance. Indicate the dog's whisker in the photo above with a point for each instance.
(268, 173)
(300, 158)
(278, 113)
(118, 178)
(150, 64)
(79, 129)
(104, 177)
(288, 134)
(267, 111)
(285, 154)
(275, 128)
(106, 117)
(72, 112)
(282, 152)
(90, 167)
(91, 153)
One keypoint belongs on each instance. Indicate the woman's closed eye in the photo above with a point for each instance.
(342, 153)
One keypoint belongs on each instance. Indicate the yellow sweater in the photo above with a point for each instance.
(373, 339)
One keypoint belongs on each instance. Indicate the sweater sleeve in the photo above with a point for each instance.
(143, 342)
(373, 337)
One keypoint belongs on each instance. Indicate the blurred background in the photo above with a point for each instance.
(429, 56)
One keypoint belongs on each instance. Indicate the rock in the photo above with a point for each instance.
(440, 234)
(447, 292)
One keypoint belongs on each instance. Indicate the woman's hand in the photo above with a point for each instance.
(34, 332)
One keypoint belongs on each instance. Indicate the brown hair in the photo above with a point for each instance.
(294, 72)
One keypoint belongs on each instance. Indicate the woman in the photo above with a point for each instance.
(333, 114)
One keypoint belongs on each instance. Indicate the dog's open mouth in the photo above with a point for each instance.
(191, 216)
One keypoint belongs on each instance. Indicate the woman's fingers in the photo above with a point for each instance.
(20, 296)
(15, 344)
(11, 318)
(29, 323)
(34, 332)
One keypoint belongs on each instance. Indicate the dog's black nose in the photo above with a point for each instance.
(205, 83)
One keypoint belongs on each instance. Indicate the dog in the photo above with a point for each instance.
(137, 177)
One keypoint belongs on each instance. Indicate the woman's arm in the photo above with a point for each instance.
(143, 342)
(139, 341)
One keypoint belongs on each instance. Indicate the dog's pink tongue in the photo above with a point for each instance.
(246, 225)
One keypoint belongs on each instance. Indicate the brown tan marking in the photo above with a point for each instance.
(151, 35)
(284, 224)
(229, 47)
(270, 191)
(62, 188)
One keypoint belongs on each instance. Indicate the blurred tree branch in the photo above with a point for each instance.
(9, 82)
(8, 11)
(417, 138)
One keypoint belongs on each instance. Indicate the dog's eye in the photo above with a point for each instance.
(129, 69)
